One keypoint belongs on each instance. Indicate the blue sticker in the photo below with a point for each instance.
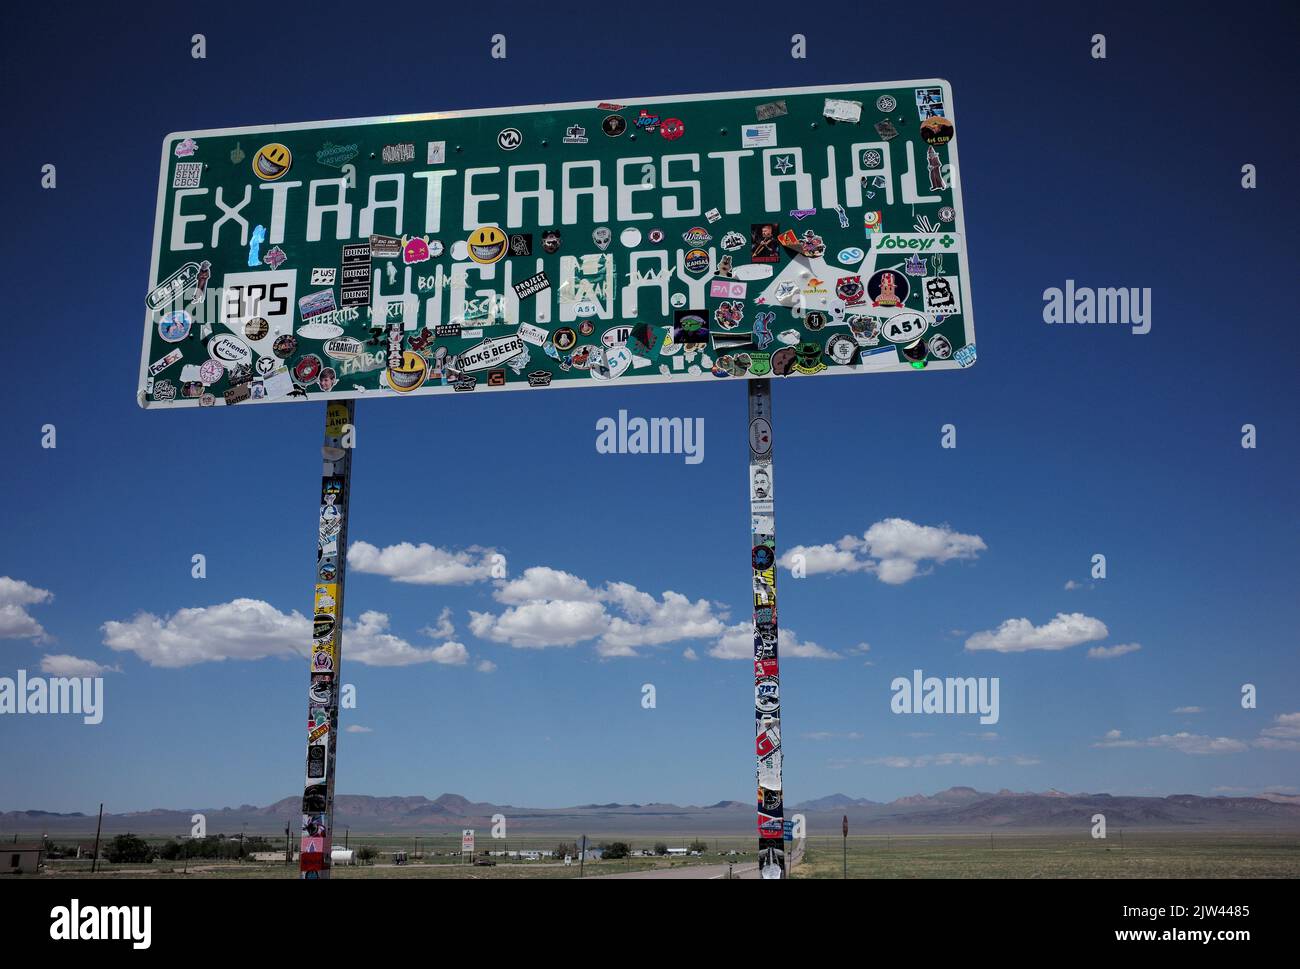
(851, 255)
(255, 246)
(175, 327)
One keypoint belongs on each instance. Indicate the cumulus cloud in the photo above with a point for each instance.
(1110, 652)
(648, 621)
(357, 728)
(250, 629)
(537, 625)
(549, 607)
(62, 664)
(239, 629)
(485, 666)
(425, 564)
(894, 550)
(1183, 742)
(444, 628)
(737, 642)
(1020, 635)
(15, 621)
(1284, 734)
(368, 641)
(541, 582)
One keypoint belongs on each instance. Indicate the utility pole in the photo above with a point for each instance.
(94, 862)
(582, 855)
(846, 846)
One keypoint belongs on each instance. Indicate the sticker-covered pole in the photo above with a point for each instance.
(767, 683)
(327, 641)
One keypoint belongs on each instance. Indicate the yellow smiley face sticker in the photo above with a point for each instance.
(272, 161)
(410, 374)
(487, 244)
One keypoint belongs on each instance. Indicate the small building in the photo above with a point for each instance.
(23, 859)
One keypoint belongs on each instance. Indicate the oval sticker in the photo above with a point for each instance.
(229, 349)
(904, 327)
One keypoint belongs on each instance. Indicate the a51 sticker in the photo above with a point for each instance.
(905, 327)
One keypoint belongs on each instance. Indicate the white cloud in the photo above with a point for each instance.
(1020, 635)
(1188, 710)
(550, 607)
(1183, 742)
(1110, 652)
(62, 664)
(537, 625)
(1071, 585)
(824, 558)
(690, 654)
(15, 621)
(239, 629)
(485, 666)
(357, 728)
(368, 641)
(542, 582)
(653, 622)
(444, 628)
(789, 644)
(423, 564)
(737, 642)
(250, 629)
(893, 549)
(1284, 734)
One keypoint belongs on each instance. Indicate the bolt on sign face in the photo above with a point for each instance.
(789, 232)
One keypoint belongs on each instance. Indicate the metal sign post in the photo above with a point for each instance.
(767, 682)
(327, 641)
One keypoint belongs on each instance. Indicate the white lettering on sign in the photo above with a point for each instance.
(524, 195)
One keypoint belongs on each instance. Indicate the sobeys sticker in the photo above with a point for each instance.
(917, 242)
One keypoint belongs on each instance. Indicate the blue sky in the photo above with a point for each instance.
(1072, 440)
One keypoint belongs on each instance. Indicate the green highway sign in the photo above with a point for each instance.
(751, 234)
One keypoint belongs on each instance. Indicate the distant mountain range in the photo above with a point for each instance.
(958, 809)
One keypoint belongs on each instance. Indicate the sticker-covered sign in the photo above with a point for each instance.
(470, 269)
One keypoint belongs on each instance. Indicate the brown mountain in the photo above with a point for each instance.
(956, 809)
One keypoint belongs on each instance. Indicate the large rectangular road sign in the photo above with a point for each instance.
(785, 232)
